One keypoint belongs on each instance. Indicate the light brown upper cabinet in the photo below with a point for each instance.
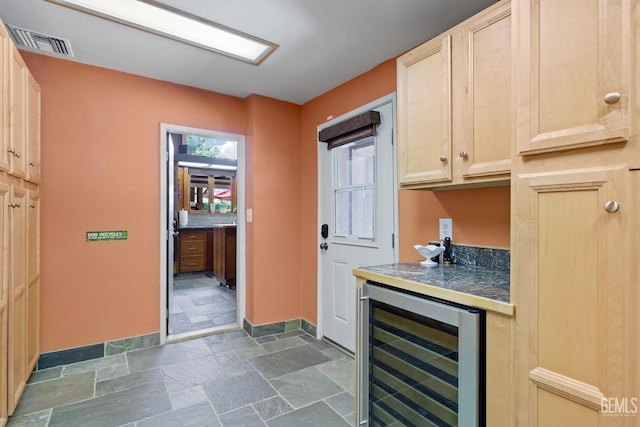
(482, 96)
(454, 105)
(573, 74)
(424, 113)
(17, 101)
(33, 129)
(5, 154)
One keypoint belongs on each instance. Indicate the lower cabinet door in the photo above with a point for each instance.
(570, 266)
(17, 326)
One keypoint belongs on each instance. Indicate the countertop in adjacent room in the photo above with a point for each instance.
(205, 227)
(479, 287)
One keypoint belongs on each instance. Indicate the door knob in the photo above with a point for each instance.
(324, 246)
(612, 97)
(611, 206)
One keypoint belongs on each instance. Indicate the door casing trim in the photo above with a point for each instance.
(240, 220)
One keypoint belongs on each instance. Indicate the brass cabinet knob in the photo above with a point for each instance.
(443, 158)
(611, 206)
(612, 97)
(463, 154)
(32, 164)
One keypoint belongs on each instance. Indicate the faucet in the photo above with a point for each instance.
(446, 255)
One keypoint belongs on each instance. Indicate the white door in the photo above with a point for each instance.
(357, 204)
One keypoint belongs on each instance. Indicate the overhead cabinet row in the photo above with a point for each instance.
(20, 151)
(456, 98)
(455, 105)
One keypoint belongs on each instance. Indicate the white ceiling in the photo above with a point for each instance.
(323, 43)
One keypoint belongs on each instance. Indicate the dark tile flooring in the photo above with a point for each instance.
(200, 303)
(228, 379)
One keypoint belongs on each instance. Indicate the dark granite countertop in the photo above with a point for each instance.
(206, 227)
(476, 286)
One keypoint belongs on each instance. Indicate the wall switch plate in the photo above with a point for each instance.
(249, 215)
(446, 228)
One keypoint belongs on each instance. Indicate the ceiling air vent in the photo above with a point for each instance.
(37, 42)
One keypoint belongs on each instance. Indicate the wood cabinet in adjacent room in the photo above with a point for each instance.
(455, 105)
(224, 255)
(192, 250)
(19, 225)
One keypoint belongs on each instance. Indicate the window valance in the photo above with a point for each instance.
(353, 129)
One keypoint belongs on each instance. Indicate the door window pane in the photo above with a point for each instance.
(355, 163)
(354, 190)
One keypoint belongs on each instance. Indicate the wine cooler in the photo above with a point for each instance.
(420, 361)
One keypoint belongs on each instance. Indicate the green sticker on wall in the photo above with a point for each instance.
(95, 236)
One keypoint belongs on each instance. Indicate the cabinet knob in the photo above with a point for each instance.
(463, 154)
(33, 164)
(612, 97)
(611, 206)
(17, 154)
(14, 205)
(11, 151)
(443, 158)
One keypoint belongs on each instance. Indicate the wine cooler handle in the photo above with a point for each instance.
(361, 300)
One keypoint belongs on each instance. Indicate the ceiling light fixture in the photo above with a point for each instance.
(175, 24)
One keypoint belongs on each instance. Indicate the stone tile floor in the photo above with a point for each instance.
(199, 302)
(229, 379)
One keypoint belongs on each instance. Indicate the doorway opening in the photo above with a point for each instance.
(202, 231)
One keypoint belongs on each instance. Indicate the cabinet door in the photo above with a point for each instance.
(570, 267)
(484, 82)
(424, 113)
(208, 250)
(4, 297)
(574, 78)
(33, 129)
(17, 296)
(33, 276)
(4, 99)
(17, 95)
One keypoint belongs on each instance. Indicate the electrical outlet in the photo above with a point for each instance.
(249, 215)
(446, 228)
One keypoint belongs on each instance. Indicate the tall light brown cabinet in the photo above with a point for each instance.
(19, 225)
(575, 196)
(544, 95)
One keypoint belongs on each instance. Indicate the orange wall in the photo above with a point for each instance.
(101, 171)
(273, 179)
(480, 216)
(100, 154)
